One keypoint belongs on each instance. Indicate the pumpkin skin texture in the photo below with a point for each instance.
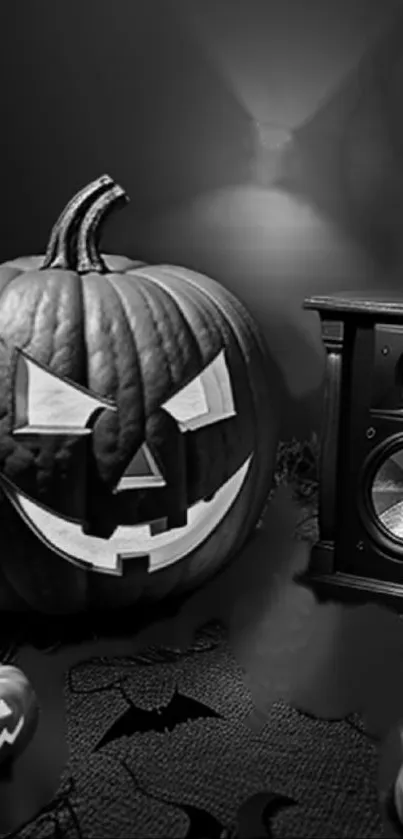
(133, 337)
(19, 712)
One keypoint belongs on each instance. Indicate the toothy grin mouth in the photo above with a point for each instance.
(165, 547)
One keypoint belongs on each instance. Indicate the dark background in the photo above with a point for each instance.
(182, 102)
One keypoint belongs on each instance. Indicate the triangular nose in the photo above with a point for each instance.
(141, 472)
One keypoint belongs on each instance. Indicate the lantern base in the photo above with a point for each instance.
(329, 584)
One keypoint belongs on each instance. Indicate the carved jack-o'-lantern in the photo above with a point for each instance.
(137, 421)
(19, 712)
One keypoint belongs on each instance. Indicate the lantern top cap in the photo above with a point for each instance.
(373, 303)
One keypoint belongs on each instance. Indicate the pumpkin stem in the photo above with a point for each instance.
(88, 257)
(60, 252)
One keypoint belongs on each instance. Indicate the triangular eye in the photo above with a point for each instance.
(5, 710)
(142, 472)
(206, 399)
(45, 403)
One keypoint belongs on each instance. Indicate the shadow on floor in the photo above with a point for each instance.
(328, 660)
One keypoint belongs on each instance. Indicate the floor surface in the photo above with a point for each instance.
(328, 660)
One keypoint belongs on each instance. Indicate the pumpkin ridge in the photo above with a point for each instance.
(5, 282)
(223, 317)
(241, 313)
(223, 312)
(262, 440)
(57, 326)
(157, 329)
(236, 306)
(147, 297)
(110, 355)
(124, 307)
(203, 362)
(51, 328)
(192, 304)
(231, 324)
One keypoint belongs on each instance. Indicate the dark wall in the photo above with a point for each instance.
(187, 104)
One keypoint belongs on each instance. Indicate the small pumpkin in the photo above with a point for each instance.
(18, 712)
(390, 782)
(138, 421)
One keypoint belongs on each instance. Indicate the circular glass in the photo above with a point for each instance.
(387, 494)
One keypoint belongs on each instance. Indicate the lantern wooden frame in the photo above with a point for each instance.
(355, 557)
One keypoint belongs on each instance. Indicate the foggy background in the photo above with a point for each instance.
(260, 142)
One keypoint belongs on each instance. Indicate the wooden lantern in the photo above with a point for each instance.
(359, 554)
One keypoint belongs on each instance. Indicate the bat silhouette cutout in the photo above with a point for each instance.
(180, 709)
(254, 820)
(202, 824)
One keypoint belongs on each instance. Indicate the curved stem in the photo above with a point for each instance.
(60, 249)
(88, 256)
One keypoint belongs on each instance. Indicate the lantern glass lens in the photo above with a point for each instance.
(387, 494)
